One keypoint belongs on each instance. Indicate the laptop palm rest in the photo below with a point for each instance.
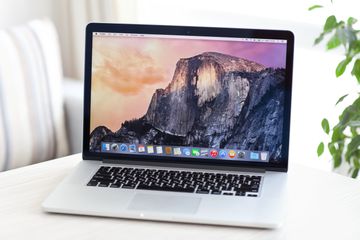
(162, 203)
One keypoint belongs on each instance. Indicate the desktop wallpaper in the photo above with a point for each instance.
(187, 92)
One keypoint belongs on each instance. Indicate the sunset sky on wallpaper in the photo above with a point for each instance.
(127, 71)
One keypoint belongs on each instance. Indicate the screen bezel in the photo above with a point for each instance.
(188, 31)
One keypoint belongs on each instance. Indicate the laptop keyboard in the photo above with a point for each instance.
(177, 181)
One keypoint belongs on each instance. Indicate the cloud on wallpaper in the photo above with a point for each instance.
(125, 77)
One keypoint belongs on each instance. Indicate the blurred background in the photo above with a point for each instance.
(315, 87)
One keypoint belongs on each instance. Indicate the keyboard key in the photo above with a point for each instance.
(92, 183)
(103, 185)
(165, 188)
(228, 193)
(202, 191)
(215, 192)
(114, 185)
(240, 193)
(128, 186)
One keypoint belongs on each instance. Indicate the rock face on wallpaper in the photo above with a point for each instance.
(214, 100)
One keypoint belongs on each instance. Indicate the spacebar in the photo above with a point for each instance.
(169, 189)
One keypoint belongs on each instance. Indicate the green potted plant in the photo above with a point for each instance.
(343, 136)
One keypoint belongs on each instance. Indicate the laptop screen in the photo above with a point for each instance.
(198, 97)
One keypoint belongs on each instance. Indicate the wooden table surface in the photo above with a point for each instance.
(321, 205)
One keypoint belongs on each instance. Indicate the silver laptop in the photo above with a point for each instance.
(183, 124)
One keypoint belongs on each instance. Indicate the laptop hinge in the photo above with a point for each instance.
(182, 165)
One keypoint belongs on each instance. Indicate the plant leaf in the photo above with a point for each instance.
(354, 47)
(320, 149)
(314, 7)
(333, 42)
(352, 147)
(337, 160)
(341, 99)
(337, 134)
(356, 163)
(353, 128)
(325, 125)
(351, 21)
(319, 38)
(340, 69)
(354, 124)
(356, 70)
(330, 23)
(355, 173)
(331, 148)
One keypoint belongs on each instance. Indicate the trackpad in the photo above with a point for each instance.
(159, 203)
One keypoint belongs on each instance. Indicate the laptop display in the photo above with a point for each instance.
(198, 97)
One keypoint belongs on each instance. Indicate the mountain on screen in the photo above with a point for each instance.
(214, 100)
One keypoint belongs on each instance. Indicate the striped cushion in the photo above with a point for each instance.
(32, 127)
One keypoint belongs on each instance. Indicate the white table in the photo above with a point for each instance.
(321, 205)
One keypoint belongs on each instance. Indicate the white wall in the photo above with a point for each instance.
(14, 12)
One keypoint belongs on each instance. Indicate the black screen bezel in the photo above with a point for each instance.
(282, 165)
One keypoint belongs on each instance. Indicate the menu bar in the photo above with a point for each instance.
(111, 34)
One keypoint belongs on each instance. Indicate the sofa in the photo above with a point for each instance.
(40, 109)
(73, 105)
